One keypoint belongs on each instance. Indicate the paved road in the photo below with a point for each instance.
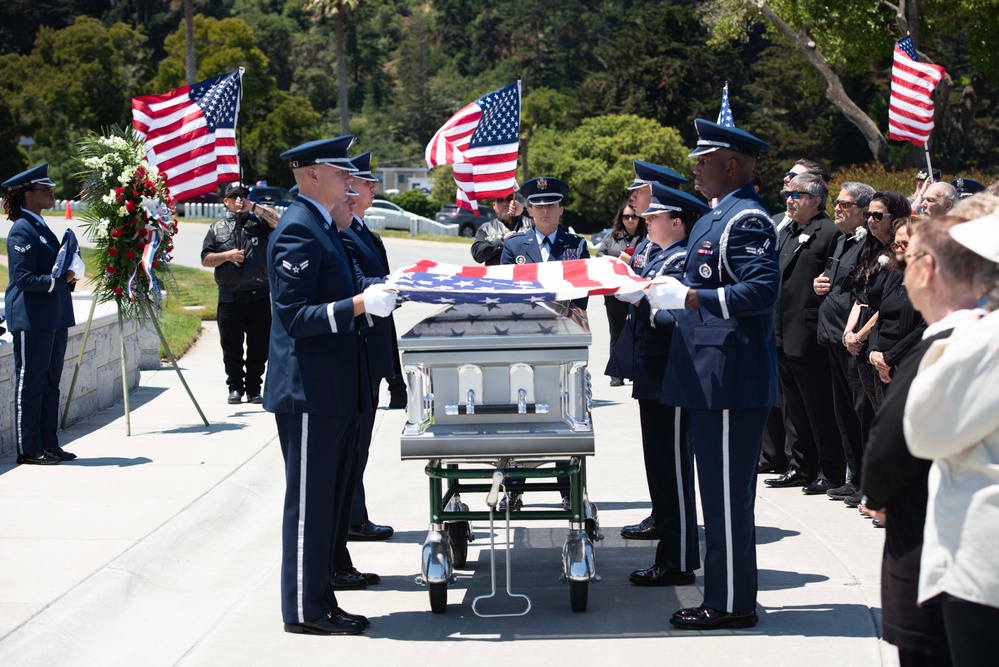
(162, 549)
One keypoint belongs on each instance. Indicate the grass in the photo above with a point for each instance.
(186, 287)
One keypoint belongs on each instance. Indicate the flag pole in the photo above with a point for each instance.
(929, 165)
(239, 126)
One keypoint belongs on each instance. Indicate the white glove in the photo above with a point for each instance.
(378, 300)
(668, 294)
(630, 297)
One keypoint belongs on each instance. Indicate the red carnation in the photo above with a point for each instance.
(630, 251)
(155, 264)
(130, 206)
(130, 254)
(110, 269)
(112, 251)
(117, 290)
(148, 184)
(116, 232)
(142, 232)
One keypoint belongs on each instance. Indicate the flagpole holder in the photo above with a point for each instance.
(124, 367)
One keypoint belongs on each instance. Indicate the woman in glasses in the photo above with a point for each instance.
(869, 280)
(626, 233)
(39, 310)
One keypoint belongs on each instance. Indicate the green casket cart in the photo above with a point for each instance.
(495, 392)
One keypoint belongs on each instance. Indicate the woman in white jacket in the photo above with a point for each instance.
(952, 417)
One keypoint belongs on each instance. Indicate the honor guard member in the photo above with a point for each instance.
(547, 242)
(646, 173)
(665, 440)
(722, 365)
(39, 309)
(315, 386)
(369, 255)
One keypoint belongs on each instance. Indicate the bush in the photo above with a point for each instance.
(416, 202)
(903, 181)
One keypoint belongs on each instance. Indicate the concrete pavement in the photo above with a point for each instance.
(162, 549)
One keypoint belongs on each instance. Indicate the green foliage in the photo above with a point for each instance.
(416, 202)
(901, 180)
(596, 158)
(445, 189)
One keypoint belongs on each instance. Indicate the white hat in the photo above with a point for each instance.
(980, 236)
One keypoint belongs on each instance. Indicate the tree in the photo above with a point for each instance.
(595, 159)
(324, 9)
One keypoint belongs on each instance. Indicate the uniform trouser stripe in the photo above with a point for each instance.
(727, 486)
(20, 394)
(303, 469)
(678, 442)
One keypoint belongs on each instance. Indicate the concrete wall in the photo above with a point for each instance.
(98, 385)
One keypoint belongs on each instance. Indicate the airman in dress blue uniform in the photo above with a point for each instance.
(315, 384)
(722, 365)
(665, 439)
(371, 260)
(547, 242)
(39, 309)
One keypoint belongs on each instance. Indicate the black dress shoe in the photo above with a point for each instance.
(764, 468)
(819, 486)
(704, 618)
(235, 397)
(370, 578)
(855, 499)
(658, 576)
(646, 530)
(791, 477)
(61, 454)
(397, 401)
(254, 398)
(347, 581)
(43, 459)
(331, 624)
(842, 492)
(616, 382)
(369, 531)
(357, 618)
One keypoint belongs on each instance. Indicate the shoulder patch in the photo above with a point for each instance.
(294, 269)
(22, 248)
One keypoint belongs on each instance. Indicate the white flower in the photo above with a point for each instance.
(859, 233)
(883, 260)
(109, 198)
(803, 239)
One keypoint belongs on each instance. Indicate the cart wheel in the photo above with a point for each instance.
(458, 533)
(591, 529)
(438, 597)
(578, 593)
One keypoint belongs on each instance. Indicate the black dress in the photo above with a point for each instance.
(896, 481)
(899, 325)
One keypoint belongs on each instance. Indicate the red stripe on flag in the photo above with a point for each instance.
(527, 272)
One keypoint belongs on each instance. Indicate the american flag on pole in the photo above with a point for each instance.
(430, 282)
(910, 109)
(190, 133)
(725, 113)
(481, 143)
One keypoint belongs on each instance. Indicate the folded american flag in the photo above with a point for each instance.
(430, 282)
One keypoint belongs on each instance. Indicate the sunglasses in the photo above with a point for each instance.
(792, 174)
(629, 217)
(794, 194)
(842, 203)
(876, 215)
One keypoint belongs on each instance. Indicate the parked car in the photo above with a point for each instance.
(468, 223)
(597, 237)
(391, 215)
(269, 194)
(206, 198)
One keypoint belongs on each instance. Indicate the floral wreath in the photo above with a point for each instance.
(128, 217)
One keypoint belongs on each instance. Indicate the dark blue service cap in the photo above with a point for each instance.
(36, 175)
(363, 164)
(665, 198)
(646, 172)
(544, 190)
(967, 186)
(322, 151)
(712, 136)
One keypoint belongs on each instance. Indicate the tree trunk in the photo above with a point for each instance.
(341, 72)
(835, 92)
(191, 65)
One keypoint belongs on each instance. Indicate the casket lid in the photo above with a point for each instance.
(498, 326)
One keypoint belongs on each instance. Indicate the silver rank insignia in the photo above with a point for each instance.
(22, 248)
(294, 269)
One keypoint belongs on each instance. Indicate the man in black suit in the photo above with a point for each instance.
(816, 453)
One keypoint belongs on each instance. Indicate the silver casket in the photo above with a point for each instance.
(498, 381)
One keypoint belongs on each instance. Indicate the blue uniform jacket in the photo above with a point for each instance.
(523, 248)
(34, 299)
(372, 264)
(654, 327)
(723, 354)
(313, 363)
